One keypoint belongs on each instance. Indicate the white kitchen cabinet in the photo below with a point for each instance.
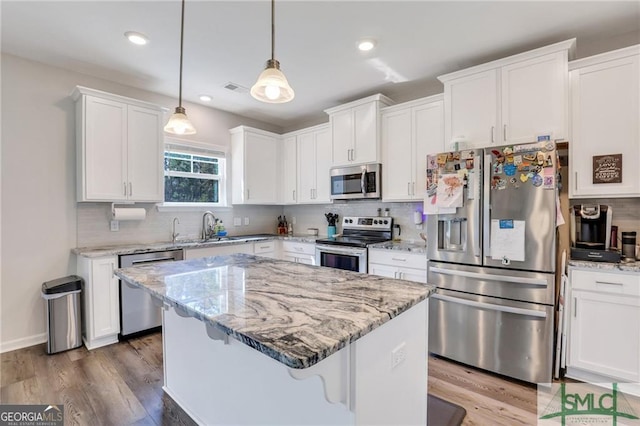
(218, 250)
(314, 164)
(119, 148)
(267, 248)
(255, 175)
(604, 320)
(511, 100)
(605, 94)
(289, 170)
(355, 131)
(410, 131)
(398, 264)
(298, 252)
(101, 301)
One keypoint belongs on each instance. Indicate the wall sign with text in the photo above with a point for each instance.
(607, 168)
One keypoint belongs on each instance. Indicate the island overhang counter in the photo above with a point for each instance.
(251, 340)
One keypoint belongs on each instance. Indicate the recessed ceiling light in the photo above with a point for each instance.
(136, 38)
(366, 45)
(205, 98)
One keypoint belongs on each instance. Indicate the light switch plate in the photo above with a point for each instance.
(246, 221)
(114, 225)
(237, 221)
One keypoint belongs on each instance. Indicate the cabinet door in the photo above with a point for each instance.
(383, 270)
(409, 274)
(605, 334)
(535, 99)
(260, 169)
(397, 141)
(105, 154)
(604, 105)
(105, 298)
(145, 155)
(428, 136)
(342, 133)
(323, 166)
(471, 109)
(306, 167)
(365, 131)
(289, 171)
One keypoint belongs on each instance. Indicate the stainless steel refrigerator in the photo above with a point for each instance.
(491, 248)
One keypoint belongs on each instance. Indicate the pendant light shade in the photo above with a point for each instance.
(272, 86)
(179, 123)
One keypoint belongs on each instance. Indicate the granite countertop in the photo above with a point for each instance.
(606, 266)
(414, 247)
(115, 250)
(294, 313)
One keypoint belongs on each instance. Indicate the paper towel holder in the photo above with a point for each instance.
(126, 213)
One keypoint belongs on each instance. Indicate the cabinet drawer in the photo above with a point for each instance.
(299, 248)
(264, 247)
(606, 282)
(398, 258)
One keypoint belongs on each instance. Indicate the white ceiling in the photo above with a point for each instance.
(229, 41)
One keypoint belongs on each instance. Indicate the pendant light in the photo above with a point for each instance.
(178, 123)
(272, 86)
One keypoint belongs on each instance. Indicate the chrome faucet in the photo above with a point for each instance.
(174, 234)
(207, 228)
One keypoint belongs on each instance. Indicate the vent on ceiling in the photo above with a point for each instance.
(234, 87)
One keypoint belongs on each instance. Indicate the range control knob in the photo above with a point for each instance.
(386, 222)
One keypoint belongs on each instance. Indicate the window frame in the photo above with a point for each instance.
(182, 146)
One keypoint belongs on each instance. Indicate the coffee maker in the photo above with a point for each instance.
(591, 233)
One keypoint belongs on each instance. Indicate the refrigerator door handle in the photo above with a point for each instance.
(486, 206)
(476, 219)
(490, 277)
(491, 306)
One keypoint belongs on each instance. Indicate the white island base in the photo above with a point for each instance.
(223, 382)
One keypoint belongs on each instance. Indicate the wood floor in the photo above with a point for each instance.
(121, 384)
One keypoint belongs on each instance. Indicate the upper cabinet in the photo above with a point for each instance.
(410, 131)
(119, 148)
(314, 163)
(289, 170)
(511, 100)
(255, 174)
(355, 130)
(605, 125)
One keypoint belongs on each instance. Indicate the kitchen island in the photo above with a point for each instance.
(250, 340)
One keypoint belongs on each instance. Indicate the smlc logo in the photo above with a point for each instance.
(584, 404)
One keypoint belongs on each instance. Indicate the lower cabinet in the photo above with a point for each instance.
(398, 264)
(266, 249)
(604, 326)
(299, 252)
(101, 301)
(197, 253)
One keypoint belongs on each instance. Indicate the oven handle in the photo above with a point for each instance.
(491, 306)
(490, 277)
(334, 249)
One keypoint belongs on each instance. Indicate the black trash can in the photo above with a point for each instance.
(63, 298)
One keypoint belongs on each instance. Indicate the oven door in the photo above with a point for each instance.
(339, 257)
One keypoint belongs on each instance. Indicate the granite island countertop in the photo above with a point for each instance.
(294, 313)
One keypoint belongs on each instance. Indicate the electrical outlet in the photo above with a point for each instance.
(114, 225)
(237, 221)
(246, 221)
(294, 220)
(398, 355)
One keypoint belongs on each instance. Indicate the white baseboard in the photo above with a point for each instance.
(23, 342)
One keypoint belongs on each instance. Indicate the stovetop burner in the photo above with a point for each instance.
(360, 231)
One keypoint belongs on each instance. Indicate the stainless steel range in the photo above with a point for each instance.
(349, 250)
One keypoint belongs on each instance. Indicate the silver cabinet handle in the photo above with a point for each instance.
(491, 306)
(575, 306)
(124, 188)
(413, 191)
(408, 188)
(504, 132)
(398, 260)
(294, 195)
(608, 283)
(492, 130)
(575, 181)
(130, 189)
(248, 193)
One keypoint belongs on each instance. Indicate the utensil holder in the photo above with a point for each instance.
(331, 231)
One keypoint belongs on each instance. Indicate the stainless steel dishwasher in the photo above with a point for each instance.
(138, 314)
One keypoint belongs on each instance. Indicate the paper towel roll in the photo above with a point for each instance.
(129, 214)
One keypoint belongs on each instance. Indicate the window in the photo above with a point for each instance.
(193, 175)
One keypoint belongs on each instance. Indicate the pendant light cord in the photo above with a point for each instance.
(181, 47)
(273, 29)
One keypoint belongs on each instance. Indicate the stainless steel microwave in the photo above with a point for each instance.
(356, 182)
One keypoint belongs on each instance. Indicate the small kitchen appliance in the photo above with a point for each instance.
(590, 228)
(356, 182)
(349, 251)
(629, 246)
